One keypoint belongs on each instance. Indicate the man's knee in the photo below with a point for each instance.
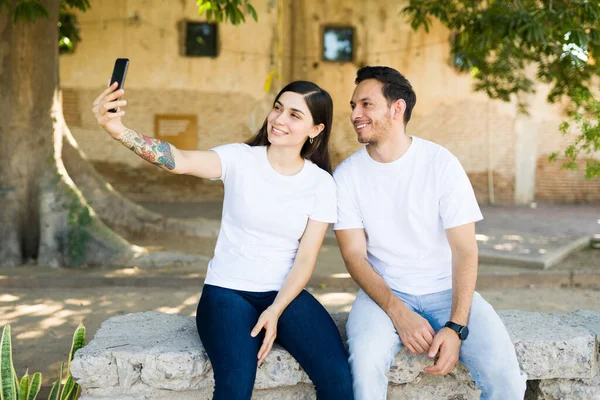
(371, 355)
(501, 380)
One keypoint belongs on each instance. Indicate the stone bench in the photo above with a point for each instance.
(151, 355)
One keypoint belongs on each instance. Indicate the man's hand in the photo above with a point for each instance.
(415, 331)
(448, 344)
(267, 320)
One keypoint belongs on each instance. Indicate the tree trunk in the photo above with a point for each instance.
(28, 79)
(119, 213)
(43, 215)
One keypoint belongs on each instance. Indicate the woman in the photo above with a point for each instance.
(279, 200)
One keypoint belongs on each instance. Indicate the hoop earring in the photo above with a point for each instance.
(310, 140)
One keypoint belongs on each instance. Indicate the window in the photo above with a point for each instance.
(338, 44)
(201, 39)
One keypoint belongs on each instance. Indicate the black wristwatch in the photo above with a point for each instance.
(461, 330)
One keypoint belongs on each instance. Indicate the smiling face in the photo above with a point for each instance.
(371, 116)
(290, 122)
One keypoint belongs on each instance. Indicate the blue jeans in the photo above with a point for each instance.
(488, 352)
(305, 329)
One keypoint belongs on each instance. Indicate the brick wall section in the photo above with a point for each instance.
(480, 136)
(71, 110)
(503, 188)
(557, 185)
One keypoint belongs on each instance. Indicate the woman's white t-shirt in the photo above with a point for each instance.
(264, 216)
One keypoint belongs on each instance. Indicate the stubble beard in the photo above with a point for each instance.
(380, 129)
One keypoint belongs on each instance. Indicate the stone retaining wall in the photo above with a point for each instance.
(151, 355)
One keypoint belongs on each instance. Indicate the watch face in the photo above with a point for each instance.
(463, 333)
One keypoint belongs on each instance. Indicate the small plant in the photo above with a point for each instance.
(28, 389)
(10, 387)
(70, 390)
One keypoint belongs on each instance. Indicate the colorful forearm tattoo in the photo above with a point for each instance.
(154, 151)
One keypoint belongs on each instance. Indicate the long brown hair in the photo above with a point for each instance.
(321, 108)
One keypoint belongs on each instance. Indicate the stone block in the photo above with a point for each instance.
(547, 347)
(150, 355)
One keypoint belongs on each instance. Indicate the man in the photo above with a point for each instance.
(406, 230)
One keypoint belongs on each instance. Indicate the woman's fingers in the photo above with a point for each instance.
(104, 119)
(114, 104)
(106, 91)
(101, 111)
(258, 327)
(118, 114)
(114, 95)
(107, 96)
(265, 349)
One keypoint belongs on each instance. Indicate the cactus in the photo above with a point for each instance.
(29, 387)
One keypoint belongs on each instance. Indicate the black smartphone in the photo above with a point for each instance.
(118, 75)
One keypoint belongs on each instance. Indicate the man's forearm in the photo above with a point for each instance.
(374, 285)
(154, 151)
(464, 279)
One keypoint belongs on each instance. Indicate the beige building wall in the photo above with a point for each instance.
(479, 131)
(222, 92)
(502, 152)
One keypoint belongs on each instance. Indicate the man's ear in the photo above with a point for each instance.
(316, 131)
(398, 109)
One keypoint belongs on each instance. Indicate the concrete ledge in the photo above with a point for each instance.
(534, 261)
(150, 355)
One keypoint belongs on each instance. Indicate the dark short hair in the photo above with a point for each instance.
(320, 105)
(395, 86)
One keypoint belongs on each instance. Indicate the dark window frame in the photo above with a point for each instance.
(190, 51)
(328, 28)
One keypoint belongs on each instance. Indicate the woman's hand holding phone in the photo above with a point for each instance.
(111, 121)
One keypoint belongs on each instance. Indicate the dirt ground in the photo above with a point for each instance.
(45, 312)
(43, 321)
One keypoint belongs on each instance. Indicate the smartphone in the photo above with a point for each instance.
(118, 75)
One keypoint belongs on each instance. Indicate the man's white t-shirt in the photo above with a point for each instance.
(264, 216)
(404, 207)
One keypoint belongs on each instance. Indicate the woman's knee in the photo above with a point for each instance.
(234, 383)
(335, 382)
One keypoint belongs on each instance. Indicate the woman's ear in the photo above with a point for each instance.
(317, 129)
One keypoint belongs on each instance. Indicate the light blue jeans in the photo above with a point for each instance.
(488, 352)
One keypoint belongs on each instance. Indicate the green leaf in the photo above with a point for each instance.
(78, 342)
(34, 387)
(81, 5)
(203, 6)
(54, 391)
(68, 388)
(252, 11)
(8, 389)
(226, 10)
(23, 387)
(29, 11)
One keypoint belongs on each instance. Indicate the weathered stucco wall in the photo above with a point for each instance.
(503, 153)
